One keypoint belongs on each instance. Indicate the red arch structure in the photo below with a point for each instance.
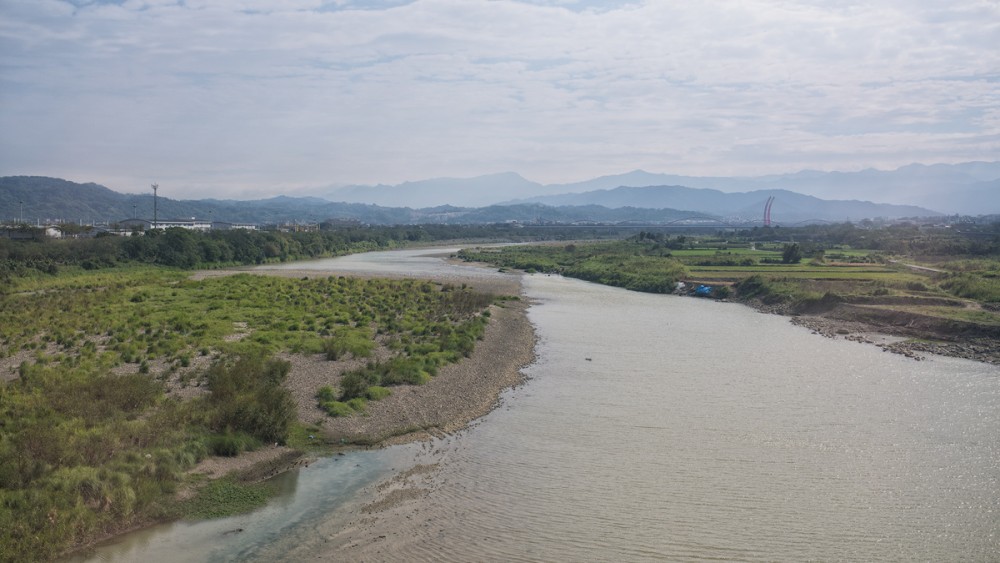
(767, 211)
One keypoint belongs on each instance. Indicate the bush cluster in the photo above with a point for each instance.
(247, 398)
(83, 451)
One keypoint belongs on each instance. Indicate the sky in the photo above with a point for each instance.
(252, 98)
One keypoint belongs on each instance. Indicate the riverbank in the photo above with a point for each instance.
(948, 309)
(910, 334)
(457, 395)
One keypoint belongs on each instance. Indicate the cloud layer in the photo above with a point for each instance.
(237, 98)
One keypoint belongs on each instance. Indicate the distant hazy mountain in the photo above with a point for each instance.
(52, 199)
(968, 188)
(788, 207)
(463, 192)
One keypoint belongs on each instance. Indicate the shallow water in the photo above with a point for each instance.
(670, 428)
(306, 495)
(419, 263)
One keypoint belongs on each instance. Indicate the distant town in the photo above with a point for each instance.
(127, 227)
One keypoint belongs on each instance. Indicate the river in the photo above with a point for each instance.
(664, 428)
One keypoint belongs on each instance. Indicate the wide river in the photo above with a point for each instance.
(665, 428)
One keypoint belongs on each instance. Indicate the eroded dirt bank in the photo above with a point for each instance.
(902, 332)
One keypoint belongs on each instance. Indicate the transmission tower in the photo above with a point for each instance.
(767, 211)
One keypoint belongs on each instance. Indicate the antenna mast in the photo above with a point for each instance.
(154, 186)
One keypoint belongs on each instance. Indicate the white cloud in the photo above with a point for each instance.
(241, 96)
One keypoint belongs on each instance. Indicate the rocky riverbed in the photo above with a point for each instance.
(902, 340)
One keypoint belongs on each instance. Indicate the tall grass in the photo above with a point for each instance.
(983, 287)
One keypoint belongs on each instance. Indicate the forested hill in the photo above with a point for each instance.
(55, 200)
(52, 200)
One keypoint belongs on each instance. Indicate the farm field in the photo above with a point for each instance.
(943, 298)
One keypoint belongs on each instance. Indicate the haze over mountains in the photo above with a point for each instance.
(638, 196)
(967, 188)
(737, 207)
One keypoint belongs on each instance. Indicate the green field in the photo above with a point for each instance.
(807, 277)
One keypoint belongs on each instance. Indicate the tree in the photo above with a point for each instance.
(179, 247)
(792, 254)
(819, 257)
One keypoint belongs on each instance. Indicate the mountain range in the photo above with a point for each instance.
(43, 200)
(970, 188)
(738, 207)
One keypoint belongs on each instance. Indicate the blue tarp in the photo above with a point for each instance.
(703, 290)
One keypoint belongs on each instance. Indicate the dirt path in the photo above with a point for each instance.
(918, 268)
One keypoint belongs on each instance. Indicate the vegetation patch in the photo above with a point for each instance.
(91, 439)
(639, 264)
(822, 270)
(83, 451)
(305, 438)
(377, 393)
(337, 408)
(226, 497)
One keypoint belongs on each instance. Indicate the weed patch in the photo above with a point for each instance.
(226, 497)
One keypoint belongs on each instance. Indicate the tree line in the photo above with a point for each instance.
(185, 248)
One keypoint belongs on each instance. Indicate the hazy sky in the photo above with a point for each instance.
(242, 98)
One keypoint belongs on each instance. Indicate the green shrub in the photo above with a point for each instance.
(326, 393)
(358, 404)
(377, 393)
(981, 286)
(356, 383)
(337, 408)
(247, 396)
(357, 342)
(231, 444)
(753, 286)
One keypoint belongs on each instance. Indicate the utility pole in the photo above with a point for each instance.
(20, 219)
(154, 186)
(133, 211)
